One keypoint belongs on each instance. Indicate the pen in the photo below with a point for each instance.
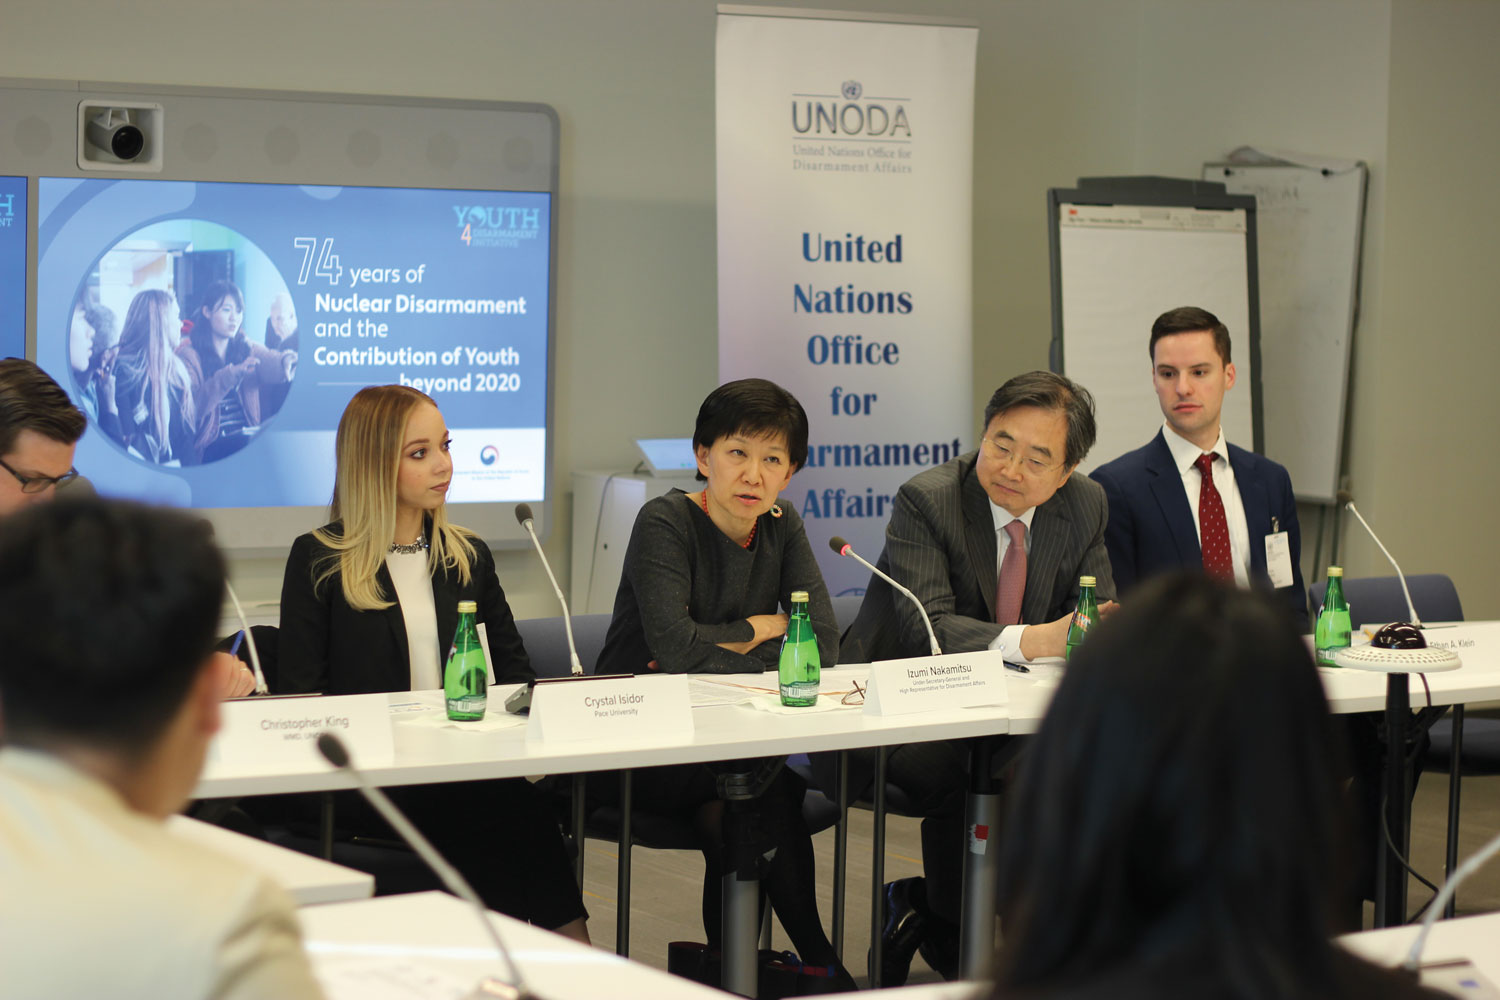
(239, 637)
(1017, 667)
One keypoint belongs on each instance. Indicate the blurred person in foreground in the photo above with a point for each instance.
(110, 693)
(1176, 828)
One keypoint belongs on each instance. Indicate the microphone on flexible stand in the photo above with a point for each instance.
(1398, 645)
(260, 677)
(1435, 908)
(843, 548)
(523, 515)
(519, 703)
(333, 750)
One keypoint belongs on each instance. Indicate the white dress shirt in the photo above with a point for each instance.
(413, 580)
(1009, 639)
(1185, 453)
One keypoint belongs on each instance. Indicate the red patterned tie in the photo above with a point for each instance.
(1213, 527)
(1012, 585)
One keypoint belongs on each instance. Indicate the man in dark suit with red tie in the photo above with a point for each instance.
(1191, 499)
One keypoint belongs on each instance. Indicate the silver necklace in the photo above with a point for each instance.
(420, 545)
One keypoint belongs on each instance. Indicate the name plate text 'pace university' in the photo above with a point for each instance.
(258, 731)
(925, 683)
(624, 708)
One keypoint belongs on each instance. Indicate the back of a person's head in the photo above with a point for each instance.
(107, 613)
(1179, 804)
(31, 400)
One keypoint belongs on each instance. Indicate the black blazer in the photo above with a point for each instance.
(327, 646)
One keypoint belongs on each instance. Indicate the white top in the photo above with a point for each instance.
(413, 582)
(1009, 639)
(1185, 453)
(157, 916)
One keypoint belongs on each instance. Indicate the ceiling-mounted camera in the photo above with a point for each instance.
(115, 136)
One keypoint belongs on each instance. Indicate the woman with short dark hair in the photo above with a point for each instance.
(1176, 828)
(706, 584)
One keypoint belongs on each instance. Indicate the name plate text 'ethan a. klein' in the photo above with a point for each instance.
(926, 683)
(647, 707)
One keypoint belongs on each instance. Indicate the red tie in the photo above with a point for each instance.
(1213, 527)
(1012, 585)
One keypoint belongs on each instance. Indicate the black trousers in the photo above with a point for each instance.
(933, 779)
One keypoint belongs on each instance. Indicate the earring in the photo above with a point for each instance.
(776, 510)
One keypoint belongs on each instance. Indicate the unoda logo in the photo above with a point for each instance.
(874, 118)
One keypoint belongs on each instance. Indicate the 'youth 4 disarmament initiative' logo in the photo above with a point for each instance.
(497, 225)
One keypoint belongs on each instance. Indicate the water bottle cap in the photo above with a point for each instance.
(467, 607)
(799, 597)
(1087, 581)
(1335, 571)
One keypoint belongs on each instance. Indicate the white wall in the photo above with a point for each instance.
(1065, 88)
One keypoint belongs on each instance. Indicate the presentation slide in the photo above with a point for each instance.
(214, 332)
(13, 267)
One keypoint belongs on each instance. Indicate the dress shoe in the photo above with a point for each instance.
(902, 931)
(939, 946)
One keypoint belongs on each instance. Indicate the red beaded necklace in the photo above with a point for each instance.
(753, 528)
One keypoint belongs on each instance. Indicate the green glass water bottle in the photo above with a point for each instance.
(1084, 616)
(465, 681)
(1333, 629)
(800, 669)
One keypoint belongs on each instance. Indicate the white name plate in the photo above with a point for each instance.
(1469, 637)
(925, 683)
(259, 731)
(629, 708)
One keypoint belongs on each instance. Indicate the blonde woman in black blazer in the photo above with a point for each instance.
(355, 618)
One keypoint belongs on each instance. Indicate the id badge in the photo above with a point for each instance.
(1279, 559)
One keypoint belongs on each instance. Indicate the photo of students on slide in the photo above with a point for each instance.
(229, 371)
(188, 381)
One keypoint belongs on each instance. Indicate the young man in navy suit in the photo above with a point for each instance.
(1189, 498)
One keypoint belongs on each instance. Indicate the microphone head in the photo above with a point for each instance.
(837, 544)
(523, 513)
(333, 750)
(1399, 635)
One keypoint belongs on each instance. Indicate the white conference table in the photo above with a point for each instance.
(306, 879)
(427, 754)
(431, 945)
(424, 755)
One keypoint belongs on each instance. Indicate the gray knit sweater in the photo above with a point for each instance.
(687, 586)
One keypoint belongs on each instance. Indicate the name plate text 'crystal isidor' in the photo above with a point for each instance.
(625, 708)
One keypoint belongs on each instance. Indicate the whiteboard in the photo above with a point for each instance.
(1116, 269)
(1310, 221)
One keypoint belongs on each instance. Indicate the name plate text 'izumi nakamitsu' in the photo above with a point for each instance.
(927, 683)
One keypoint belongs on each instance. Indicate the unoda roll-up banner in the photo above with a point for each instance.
(845, 177)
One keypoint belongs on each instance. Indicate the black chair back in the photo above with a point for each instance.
(546, 642)
(1375, 600)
